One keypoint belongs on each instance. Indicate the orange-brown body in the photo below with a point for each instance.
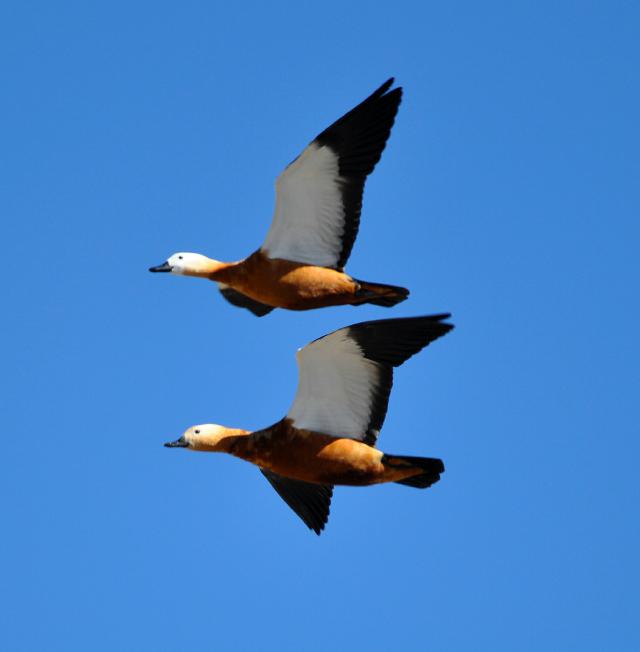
(310, 456)
(291, 285)
(287, 284)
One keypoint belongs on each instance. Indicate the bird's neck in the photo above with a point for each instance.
(226, 441)
(215, 270)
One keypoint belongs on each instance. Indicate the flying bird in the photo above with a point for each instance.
(329, 434)
(300, 265)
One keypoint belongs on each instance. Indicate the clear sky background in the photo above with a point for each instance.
(508, 195)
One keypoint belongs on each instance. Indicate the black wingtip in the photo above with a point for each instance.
(393, 341)
(440, 317)
(358, 139)
(386, 86)
(311, 502)
(385, 91)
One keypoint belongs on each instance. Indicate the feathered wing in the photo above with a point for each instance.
(311, 502)
(319, 195)
(345, 377)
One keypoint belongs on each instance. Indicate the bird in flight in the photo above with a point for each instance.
(329, 434)
(300, 265)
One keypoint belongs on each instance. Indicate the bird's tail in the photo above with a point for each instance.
(428, 469)
(380, 294)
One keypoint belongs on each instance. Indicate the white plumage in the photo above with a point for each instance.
(335, 388)
(308, 222)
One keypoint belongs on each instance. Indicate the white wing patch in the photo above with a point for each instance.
(335, 387)
(308, 222)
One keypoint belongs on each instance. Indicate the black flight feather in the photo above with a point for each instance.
(311, 502)
(390, 342)
(358, 139)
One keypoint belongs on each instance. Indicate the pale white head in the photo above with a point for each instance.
(203, 437)
(186, 263)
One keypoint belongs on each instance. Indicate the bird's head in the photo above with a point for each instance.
(187, 264)
(206, 437)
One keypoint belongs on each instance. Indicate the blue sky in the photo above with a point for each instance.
(508, 195)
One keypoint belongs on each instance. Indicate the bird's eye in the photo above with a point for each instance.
(197, 432)
(179, 257)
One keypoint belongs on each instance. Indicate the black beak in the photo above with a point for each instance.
(165, 267)
(178, 443)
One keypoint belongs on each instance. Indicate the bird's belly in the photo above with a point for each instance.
(298, 287)
(337, 461)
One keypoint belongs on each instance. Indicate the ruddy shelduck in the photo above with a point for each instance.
(328, 436)
(300, 265)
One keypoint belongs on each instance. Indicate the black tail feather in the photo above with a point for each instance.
(432, 468)
(380, 294)
(388, 302)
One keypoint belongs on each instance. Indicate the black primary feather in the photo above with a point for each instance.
(358, 138)
(311, 502)
(390, 342)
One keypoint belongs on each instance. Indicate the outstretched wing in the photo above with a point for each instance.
(345, 377)
(311, 502)
(319, 195)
